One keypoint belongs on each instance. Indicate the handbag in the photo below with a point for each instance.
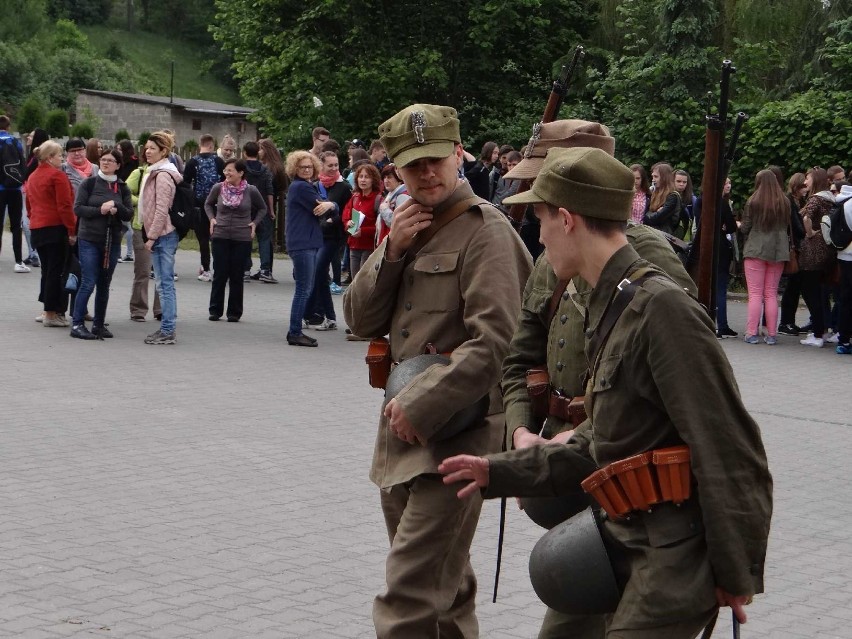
(71, 273)
(791, 266)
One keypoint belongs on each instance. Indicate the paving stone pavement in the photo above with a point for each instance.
(218, 488)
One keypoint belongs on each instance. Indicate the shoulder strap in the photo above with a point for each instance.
(423, 237)
(626, 292)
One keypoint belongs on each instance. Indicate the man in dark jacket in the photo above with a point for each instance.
(259, 176)
(202, 172)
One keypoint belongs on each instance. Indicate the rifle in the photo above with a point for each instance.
(551, 111)
(712, 185)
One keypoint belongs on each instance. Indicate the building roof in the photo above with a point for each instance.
(184, 104)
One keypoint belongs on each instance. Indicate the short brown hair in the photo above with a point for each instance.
(164, 140)
(331, 145)
(318, 131)
(604, 228)
(116, 154)
(295, 157)
(376, 145)
(5, 122)
(206, 140)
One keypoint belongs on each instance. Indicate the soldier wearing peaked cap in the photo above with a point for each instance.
(449, 275)
(682, 543)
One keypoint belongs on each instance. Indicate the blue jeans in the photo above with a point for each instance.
(319, 303)
(304, 269)
(264, 244)
(163, 261)
(93, 273)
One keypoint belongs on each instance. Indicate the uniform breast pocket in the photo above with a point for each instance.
(607, 373)
(437, 276)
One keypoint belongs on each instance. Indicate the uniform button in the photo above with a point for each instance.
(408, 306)
(603, 380)
(436, 267)
(561, 342)
(560, 390)
(377, 266)
(559, 366)
(404, 332)
(565, 295)
(563, 318)
(589, 333)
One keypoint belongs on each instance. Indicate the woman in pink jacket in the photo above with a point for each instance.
(155, 198)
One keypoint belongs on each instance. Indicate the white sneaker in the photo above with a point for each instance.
(810, 340)
(834, 338)
(40, 318)
(327, 325)
(20, 267)
(205, 276)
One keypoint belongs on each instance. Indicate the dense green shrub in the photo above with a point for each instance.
(82, 130)
(56, 123)
(32, 114)
(121, 134)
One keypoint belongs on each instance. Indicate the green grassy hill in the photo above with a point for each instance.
(152, 54)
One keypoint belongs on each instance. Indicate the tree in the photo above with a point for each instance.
(81, 11)
(31, 115)
(56, 123)
(468, 55)
(82, 130)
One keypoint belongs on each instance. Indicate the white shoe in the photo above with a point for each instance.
(20, 267)
(834, 338)
(205, 276)
(810, 340)
(327, 325)
(40, 318)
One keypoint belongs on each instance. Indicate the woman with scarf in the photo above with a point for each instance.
(102, 207)
(320, 309)
(76, 166)
(234, 208)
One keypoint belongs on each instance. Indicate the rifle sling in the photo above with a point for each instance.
(423, 237)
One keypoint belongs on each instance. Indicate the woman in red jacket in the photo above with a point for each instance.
(50, 207)
(361, 227)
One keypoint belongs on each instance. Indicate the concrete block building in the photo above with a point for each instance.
(189, 119)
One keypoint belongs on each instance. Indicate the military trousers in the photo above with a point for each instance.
(431, 587)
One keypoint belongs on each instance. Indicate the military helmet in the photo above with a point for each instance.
(405, 372)
(570, 570)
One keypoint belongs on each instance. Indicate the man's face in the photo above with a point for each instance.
(504, 163)
(512, 164)
(556, 241)
(377, 155)
(431, 181)
(680, 183)
(320, 140)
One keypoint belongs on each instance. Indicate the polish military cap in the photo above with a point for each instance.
(420, 131)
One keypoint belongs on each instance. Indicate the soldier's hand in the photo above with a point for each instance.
(399, 425)
(736, 603)
(523, 438)
(475, 470)
(408, 220)
(562, 438)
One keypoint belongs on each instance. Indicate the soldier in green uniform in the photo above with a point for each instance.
(555, 336)
(460, 292)
(675, 564)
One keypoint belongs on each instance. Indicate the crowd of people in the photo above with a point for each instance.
(336, 219)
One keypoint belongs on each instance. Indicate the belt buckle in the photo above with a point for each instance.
(622, 283)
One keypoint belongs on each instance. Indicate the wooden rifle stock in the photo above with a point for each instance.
(551, 112)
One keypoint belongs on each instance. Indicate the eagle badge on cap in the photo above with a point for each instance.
(418, 122)
(536, 136)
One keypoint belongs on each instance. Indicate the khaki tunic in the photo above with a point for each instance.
(663, 346)
(561, 343)
(462, 293)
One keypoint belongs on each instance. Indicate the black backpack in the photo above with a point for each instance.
(182, 210)
(840, 233)
(12, 162)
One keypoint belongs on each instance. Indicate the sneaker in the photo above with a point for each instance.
(137, 318)
(327, 325)
(834, 338)
(807, 328)
(28, 261)
(335, 289)
(727, 332)
(305, 324)
(126, 258)
(247, 276)
(266, 276)
(102, 332)
(205, 276)
(214, 318)
(81, 332)
(151, 274)
(39, 318)
(789, 329)
(300, 340)
(844, 349)
(176, 278)
(20, 267)
(233, 319)
(56, 322)
(34, 261)
(751, 339)
(346, 281)
(159, 337)
(771, 340)
(810, 340)
(255, 276)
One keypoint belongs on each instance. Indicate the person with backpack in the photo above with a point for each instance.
(142, 260)
(202, 172)
(837, 230)
(102, 206)
(12, 173)
(259, 177)
(156, 196)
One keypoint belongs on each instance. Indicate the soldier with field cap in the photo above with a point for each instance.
(685, 552)
(448, 277)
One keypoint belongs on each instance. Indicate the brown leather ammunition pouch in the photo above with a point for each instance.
(378, 362)
(538, 388)
(641, 481)
(577, 410)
